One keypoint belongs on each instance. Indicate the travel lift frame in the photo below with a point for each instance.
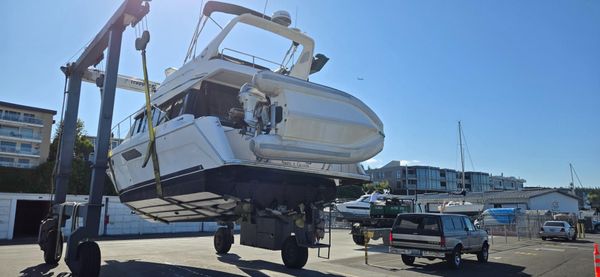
(83, 255)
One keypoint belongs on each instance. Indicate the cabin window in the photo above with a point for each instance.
(214, 99)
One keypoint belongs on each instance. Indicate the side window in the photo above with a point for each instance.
(458, 223)
(469, 224)
(448, 225)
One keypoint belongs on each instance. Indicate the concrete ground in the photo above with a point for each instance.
(195, 256)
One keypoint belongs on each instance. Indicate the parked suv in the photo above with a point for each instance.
(444, 236)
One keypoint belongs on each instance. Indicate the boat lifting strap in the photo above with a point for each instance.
(140, 45)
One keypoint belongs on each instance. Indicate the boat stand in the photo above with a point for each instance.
(83, 254)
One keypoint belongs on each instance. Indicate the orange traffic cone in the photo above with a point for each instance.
(596, 260)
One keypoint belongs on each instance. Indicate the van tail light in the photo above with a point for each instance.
(391, 238)
(562, 229)
(443, 241)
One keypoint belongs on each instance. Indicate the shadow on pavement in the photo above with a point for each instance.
(469, 268)
(38, 270)
(133, 268)
(252, 267)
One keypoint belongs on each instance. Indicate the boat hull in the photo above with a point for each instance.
(197, 194)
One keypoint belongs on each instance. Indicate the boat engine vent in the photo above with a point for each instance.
(282, 18)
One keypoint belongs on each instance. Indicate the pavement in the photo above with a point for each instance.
(195, 256)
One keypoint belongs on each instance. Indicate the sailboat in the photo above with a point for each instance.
(461, 207)
(241, 138)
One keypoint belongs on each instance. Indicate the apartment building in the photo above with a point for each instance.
(24, 135)
(424, 179)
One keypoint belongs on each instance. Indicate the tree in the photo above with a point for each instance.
(376, 186)
(82, 148)
(594, 198)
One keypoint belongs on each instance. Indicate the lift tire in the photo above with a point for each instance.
(50, 248)
(408, 260)
(223, 240)
(88, 257)
(358, 239)
(293, 255)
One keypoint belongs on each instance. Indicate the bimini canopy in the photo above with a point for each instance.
(216, 6)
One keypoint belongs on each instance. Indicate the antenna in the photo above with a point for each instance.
(265, 9)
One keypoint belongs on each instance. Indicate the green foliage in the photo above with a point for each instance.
(594, 198)
(349, 192)
(376, 186)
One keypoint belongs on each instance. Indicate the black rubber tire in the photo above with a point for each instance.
(293, 255)
(574, 238)
(483, 255)
(359, 240)
(408, 260)
(543, 238)
(454, 259)
(597, 228)
(50, 247)
(222, 240)
(88, 257)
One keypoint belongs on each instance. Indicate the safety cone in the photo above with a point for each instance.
(596, 260)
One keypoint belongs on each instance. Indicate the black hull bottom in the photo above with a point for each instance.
(203, 194)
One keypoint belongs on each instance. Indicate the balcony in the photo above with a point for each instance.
(13, 150)
(19, 165)
(23, 119)
(18, 134)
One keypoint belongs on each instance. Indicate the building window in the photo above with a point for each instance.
(6, 160)
(24, 161)
(8, 146)
(10, 115)
(497, 205)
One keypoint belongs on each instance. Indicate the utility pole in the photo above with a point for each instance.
(406, 177)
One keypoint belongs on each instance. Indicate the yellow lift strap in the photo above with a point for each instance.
(140, 45)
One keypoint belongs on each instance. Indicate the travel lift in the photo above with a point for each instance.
(83, 254)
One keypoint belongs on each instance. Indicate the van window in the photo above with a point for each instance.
(417, 224)
(448, 225)
(459, 225)
(469, 224)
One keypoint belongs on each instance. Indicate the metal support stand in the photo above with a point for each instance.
(83, 255)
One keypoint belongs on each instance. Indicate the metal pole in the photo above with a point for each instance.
(462, 158)
(406, 177)
(103, 136)
(67, 141)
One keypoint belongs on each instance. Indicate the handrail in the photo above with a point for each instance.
(254, 58)
(24, 119)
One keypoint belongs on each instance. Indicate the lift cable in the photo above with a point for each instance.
(140, 45)
(58, 139)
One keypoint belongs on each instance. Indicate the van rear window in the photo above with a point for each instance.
(418, 225)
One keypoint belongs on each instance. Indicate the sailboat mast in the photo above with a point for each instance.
(572, 181)
(462, 156)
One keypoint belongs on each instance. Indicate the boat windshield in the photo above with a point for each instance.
(256, 47)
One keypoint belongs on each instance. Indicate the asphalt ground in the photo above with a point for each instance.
(195, 256)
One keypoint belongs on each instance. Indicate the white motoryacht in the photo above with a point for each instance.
(238, 136)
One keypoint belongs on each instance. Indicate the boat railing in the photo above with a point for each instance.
(254, 58)
(121, 130)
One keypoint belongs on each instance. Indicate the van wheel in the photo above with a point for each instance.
(543, 238)
(454, 259)
(408, 260)
(482, 256)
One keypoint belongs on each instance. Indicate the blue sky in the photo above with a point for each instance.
(523, 76)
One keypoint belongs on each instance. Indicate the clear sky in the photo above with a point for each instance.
(523, 76)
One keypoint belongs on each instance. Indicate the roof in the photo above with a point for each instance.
(496, 195)
(23, 107)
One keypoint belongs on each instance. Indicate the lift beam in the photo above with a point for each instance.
(109, 37)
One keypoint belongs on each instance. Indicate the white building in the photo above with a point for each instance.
(526, 199)
(21, 213)
(24, 135)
